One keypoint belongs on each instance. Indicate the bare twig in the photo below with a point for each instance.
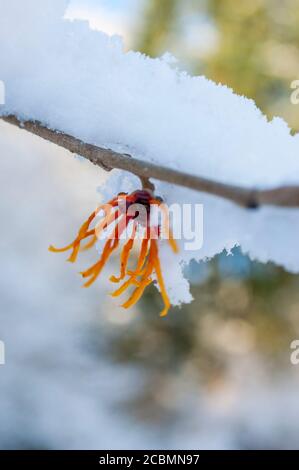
(285, 196)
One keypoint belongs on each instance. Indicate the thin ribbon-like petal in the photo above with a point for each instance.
(110, 246)
(125, 254)
(133, 299)
(160, 279)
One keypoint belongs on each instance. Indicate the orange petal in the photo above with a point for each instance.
(60, 250)
(106, 221)
(125, 256)
(110, 246)
(137, 294)
(103, 224)
(89, 244)
(172, 242)
(81, 233)
(96, 269)
(143, 283)
(142, 256)
(166, 228)
(76, 243)
(160, 279)
(125, 286)
(71, 245)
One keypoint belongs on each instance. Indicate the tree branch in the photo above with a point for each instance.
(285, 196)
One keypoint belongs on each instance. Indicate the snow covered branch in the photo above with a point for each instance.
(285, 196)
(80, 89)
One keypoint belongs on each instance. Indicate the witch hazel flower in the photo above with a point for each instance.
(127, 218)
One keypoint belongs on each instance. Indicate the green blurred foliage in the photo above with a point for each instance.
(256, 52)
(231, 319)
(160, 17)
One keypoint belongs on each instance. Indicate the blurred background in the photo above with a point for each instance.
(81, 373)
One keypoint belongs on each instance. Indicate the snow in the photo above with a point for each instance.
(82, 82)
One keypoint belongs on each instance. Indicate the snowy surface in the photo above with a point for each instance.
(81, 81)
